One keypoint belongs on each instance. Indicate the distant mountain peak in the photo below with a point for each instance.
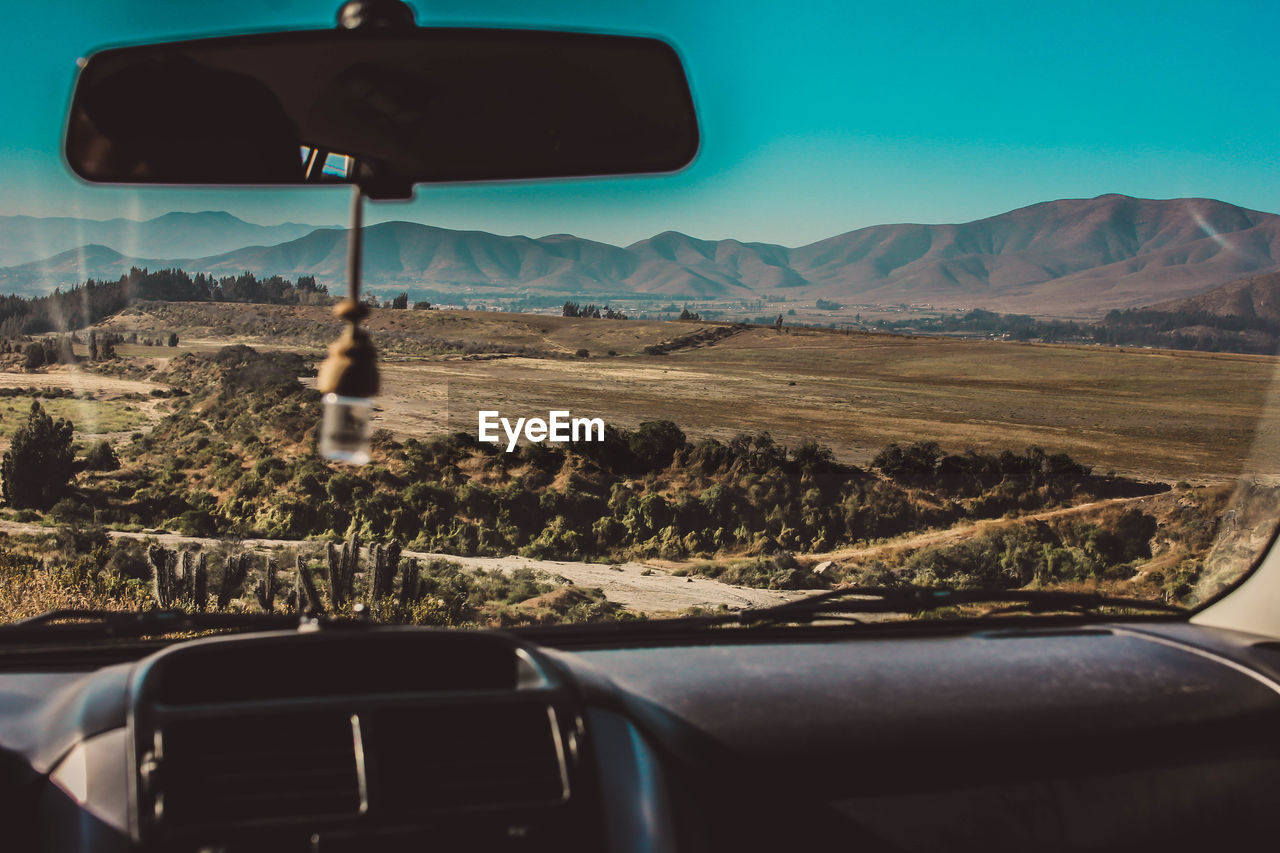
(91, 249)
(201, 214)
(177, 234)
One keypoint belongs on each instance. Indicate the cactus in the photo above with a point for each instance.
(335, 575)
(266, 588)
(307, 596)
(386, 559)
(155, 558)
(377, 575)
(233, 577)
(200, 584)
(409, 583)
(342, 571)
(185, 588)
(171, 576)
(351, 562)
(393, 565)
(164, 582)
(159, 591)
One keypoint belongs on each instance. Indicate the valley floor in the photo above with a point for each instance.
(1192, 418)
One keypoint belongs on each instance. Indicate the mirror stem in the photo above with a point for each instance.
(355, 243)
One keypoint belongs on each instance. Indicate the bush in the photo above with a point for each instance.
(778, 572)
(40, 462)
(71, 511)
(194, 522)
(101, 457)
(128, 559)
(655, 443)
(914, 463)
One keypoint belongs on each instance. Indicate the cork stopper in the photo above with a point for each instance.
(351, 311)
(351, 370)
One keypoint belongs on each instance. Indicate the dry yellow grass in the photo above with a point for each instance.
(29, 593)
(1143, 413)
(91, 417)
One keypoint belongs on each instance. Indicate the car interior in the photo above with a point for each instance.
(1001, 720)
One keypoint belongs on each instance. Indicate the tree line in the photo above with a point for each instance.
(1018, 327)
(86, 304)
(591, 311)
(1190, 330)
(58, 349)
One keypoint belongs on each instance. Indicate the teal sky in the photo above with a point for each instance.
(817, 117)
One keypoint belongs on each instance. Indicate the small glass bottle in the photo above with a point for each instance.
(345, 428)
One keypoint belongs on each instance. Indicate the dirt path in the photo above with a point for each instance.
(78, 381)
(623, 583)
(960, 532)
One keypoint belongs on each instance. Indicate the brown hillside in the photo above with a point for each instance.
(1255, 296)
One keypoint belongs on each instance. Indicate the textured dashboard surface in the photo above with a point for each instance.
(1016, 699)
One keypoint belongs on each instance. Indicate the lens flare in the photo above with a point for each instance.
(1211, 232)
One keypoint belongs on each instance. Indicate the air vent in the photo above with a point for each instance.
(258, 768)
(447, 758)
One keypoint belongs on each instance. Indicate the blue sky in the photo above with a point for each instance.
(817, 117)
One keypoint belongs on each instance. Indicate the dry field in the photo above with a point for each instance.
(1149, 413)
(1158, 414)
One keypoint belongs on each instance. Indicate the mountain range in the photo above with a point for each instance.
(1071, 257)
(30, 238)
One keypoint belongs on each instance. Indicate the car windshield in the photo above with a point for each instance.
(978, 298)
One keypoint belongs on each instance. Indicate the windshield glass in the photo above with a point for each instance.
(985, 299)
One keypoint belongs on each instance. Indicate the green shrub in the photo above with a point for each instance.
(101, 457)
(38, 466)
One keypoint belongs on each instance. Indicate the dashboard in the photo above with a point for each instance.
(1078, 736)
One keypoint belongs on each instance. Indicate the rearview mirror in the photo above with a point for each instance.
(382, 109)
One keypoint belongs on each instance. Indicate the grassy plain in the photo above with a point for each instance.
(92, 418)
(1161, 414)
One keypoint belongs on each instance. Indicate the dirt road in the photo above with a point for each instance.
(78, 380)
(966, 531)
